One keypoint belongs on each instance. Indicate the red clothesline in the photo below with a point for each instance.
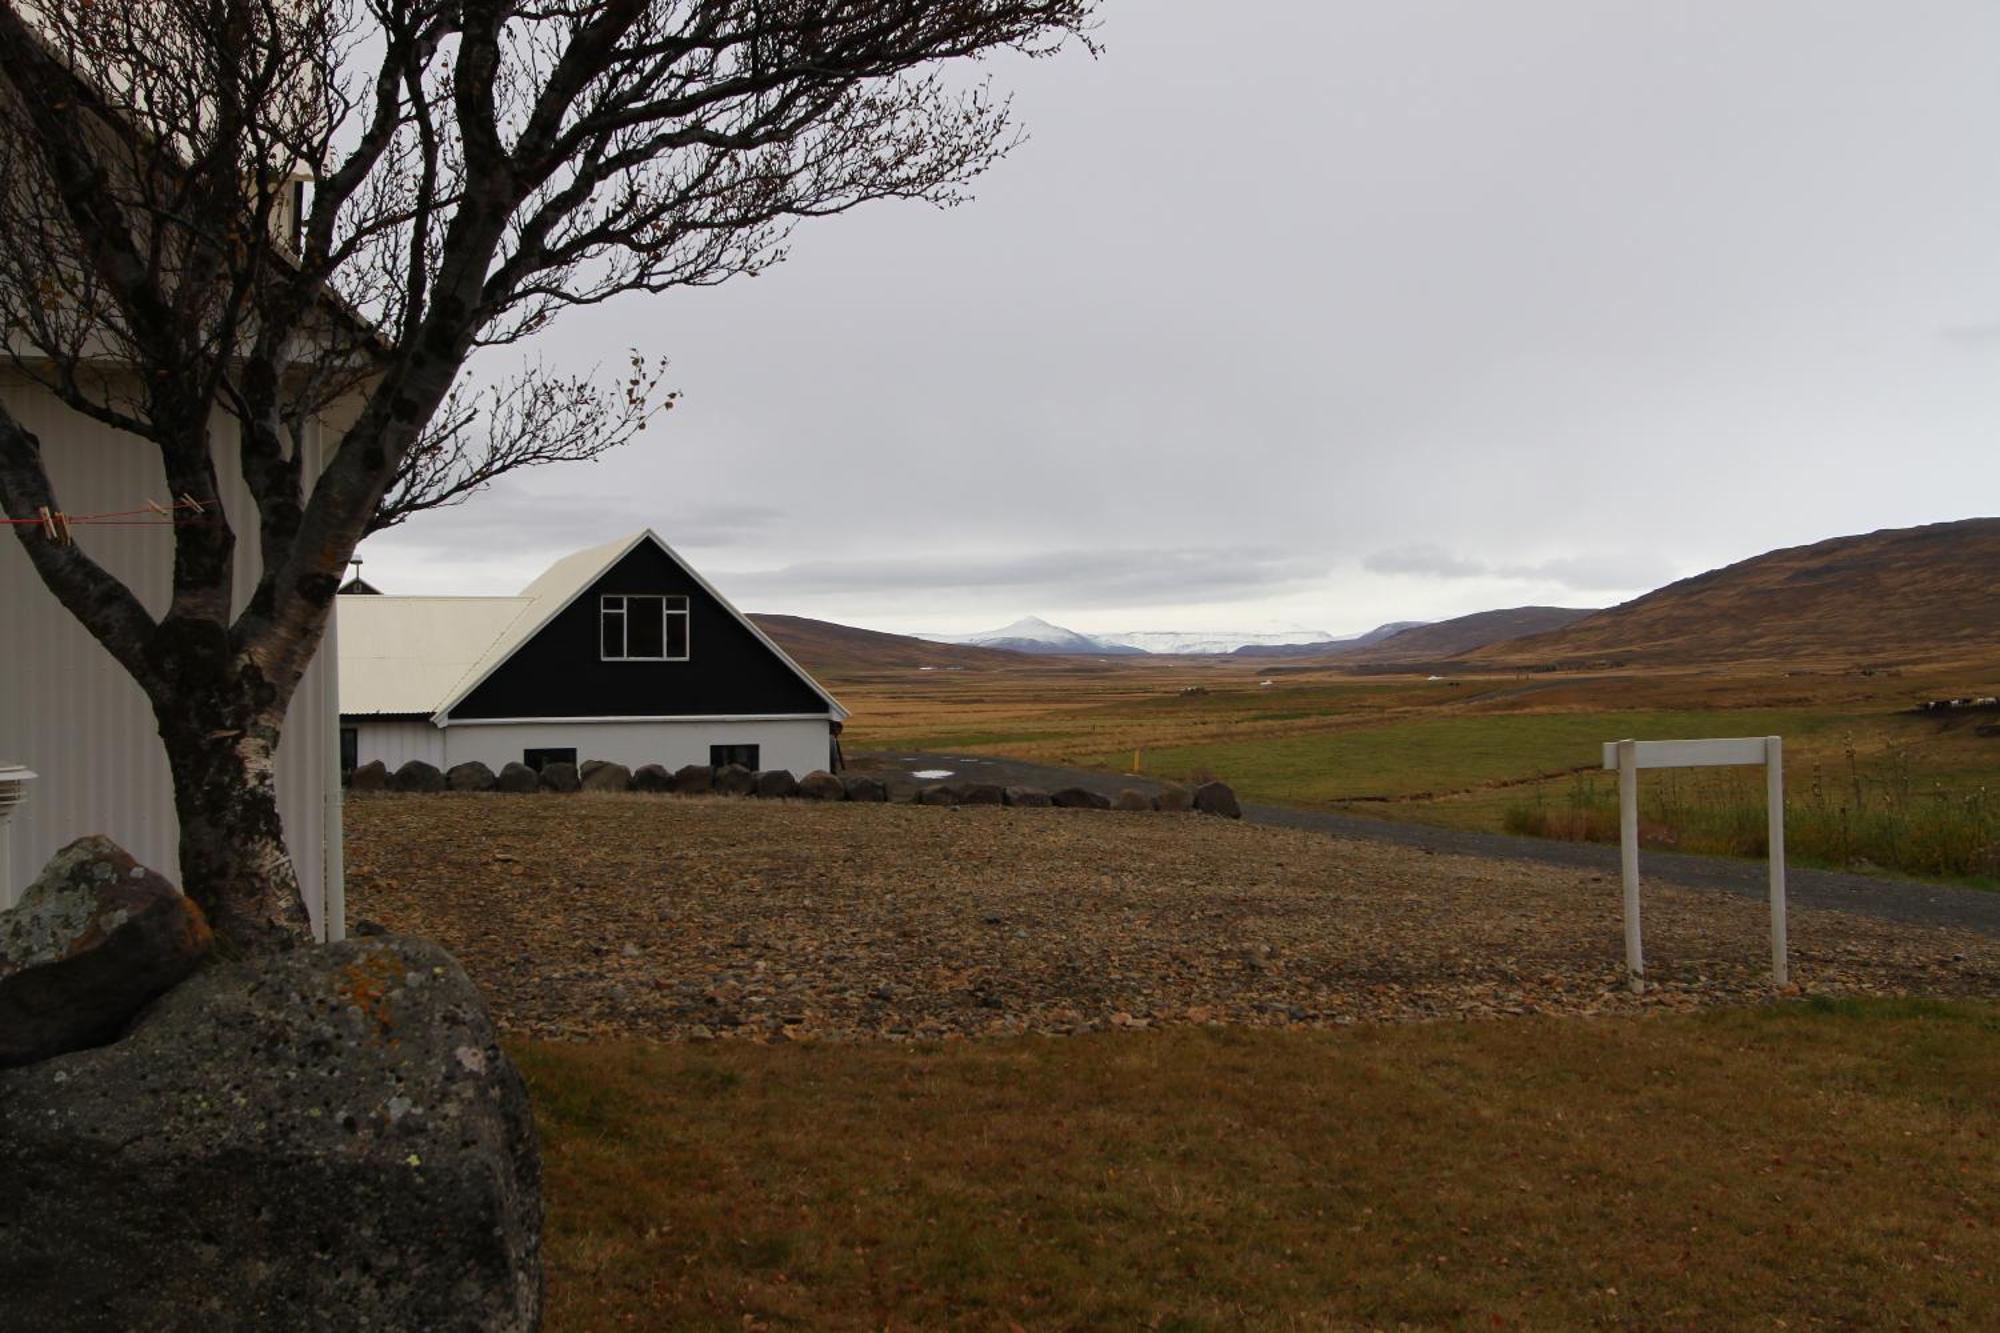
(55, 524)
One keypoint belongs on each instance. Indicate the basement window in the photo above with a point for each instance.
(746, 755)
(642, 627)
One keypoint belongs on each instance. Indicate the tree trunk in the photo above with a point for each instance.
(233, 857)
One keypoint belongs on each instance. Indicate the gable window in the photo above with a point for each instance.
(642, 627)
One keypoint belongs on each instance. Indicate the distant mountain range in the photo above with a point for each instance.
(1035, 635)
(1929, 593)
(1900, 595)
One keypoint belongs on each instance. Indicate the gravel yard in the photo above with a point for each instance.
(695, 918)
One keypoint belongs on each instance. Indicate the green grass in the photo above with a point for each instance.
(1887, 812)
(1405, 757)
(1822, 1163)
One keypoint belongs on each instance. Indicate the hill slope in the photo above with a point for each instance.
(1901, 594)
(1462, 634)
(827, 649)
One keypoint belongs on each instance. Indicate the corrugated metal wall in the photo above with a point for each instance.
(70, 713)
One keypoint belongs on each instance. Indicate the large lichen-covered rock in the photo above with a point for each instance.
(694, 779)
(329, 1138)
(775, 783)
(861, 787)
(371, 776)
(518, 778)
(734, 780)
(93, 939)
(470, 776)
(1217, 798)
(819, 785)
(560, 776)
(607, 777)
(652, 777)
(417, 775)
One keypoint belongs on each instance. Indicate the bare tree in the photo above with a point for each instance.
(273, 212)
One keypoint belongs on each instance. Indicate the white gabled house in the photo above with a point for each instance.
(622, 652)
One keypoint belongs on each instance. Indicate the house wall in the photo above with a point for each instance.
(69, 712)
(799, 744)
(560, 671)
(397, 743)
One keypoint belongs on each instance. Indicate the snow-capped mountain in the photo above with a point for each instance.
(1032, 634)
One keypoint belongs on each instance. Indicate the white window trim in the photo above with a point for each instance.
(667, 608)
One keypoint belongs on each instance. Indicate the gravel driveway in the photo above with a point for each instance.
(696, 918)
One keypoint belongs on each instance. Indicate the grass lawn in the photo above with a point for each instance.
(1812, 1164)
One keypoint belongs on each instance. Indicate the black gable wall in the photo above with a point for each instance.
(557, 673)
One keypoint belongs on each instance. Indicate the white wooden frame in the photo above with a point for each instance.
(1627, 757)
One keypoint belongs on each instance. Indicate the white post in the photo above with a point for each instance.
(1774, 797)
(1628, 847)
(333, 834)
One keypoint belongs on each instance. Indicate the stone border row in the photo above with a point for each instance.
(597, 775)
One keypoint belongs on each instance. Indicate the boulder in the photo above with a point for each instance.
(516, 777)
(694, 780)
(981, 793)
(1028, 796)
(652, 777)
(776, 783)
(1080, 798)
(860, 787)
(734, 780)
(1133, 800)
(822, 786)
(416, 775)
(586, 768)
(559, 776)
(1173, 796)
(938, 793)
(608, 777)
(326, 1138)
(470, 776)
(93, 939)
(371, 776)
(1216, 798)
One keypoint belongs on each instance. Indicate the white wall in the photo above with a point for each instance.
(799, 744)
(397, 743)
(69, 712)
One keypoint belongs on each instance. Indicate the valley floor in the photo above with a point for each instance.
(1226, 1138)
(675, 918)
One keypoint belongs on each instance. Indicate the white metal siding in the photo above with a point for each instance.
(396, 743)
(798, 744)
(69, 712)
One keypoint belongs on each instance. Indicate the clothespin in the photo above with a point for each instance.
(192, 503)
(55, 524)
(159, 509)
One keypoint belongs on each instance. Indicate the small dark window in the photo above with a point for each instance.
(746, 755)
(350, 750)
(540, 759)
(642, 627)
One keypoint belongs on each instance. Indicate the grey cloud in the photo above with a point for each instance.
(1585, 573)
(1077, 577)
(512, 517)
(1434, 561)
(1975, 335)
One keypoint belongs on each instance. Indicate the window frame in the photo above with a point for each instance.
(619, 604)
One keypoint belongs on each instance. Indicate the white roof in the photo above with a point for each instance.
(404, 654)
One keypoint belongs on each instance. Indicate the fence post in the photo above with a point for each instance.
(1774, 798)
(1628, 848)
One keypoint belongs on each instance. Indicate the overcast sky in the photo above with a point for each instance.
(1316, 313)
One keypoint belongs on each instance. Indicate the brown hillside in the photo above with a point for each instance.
(1459, 636)
(1902, 594)
(827, 649)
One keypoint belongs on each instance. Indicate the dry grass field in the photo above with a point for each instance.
(1224, 1138)
(1476, 749)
